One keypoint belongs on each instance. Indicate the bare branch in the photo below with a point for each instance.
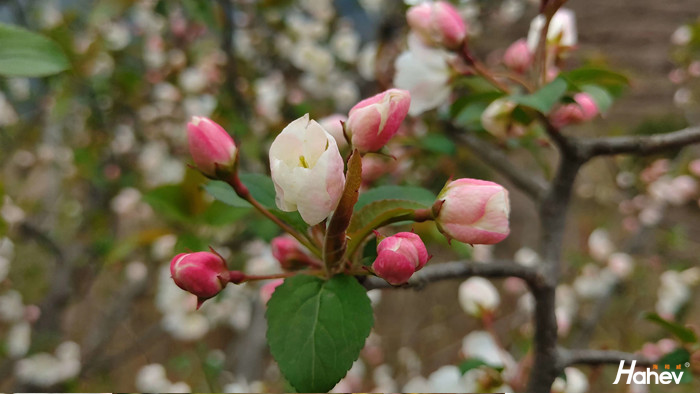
(569, 357)
(639, 145)
(533, 186)
(461, 270)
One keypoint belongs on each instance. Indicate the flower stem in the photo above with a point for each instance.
(243, 192)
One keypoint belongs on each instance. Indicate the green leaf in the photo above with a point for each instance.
(438, 143)
(169, 201)
(469, 364)
(261, 188)
(544, 99)
(27, 54)
(595, 76)
(677, 357)
(683, 333)
(602, 97)
(221, 191)
(393, 192)
(220, 214)
(317, 328)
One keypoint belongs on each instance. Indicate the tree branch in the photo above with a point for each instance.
(569, 357)
(639, 145)
(460, 270)
(533, 186)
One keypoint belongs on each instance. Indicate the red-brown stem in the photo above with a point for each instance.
(243, 192)
(481, 69)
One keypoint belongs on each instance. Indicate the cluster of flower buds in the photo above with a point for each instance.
(203, 274)
(400, 256)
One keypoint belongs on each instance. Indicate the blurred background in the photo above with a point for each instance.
(96, 195)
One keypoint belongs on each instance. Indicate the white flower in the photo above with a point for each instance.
(11, 307)
(480, 345)
(307, 170)
(478, 295)
(45, 370)
(447, 379)
(19, 339)
(527, 257)
(576, 382)
(562, 29)
(345, 44)
(599, 244)
(425, 73)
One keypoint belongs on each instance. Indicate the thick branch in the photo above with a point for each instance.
(569, 357)
(461, 270)
(639, 145)
(533, 186)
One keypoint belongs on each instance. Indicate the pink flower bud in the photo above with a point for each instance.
(203, 274)
(474, 211)
(518, 56)
(268, 288)
(334, 126)
(373, 121)
(399, 256)
(210, 145)
(290, 253)
(437, 23)
(584, 109)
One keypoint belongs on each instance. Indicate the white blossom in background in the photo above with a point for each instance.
(158, 166)
(600, 246)
(682, 35)
(447, 379)
(594, 282)
(425, 73)
(242, 386)
(193, 80)
(45, 370)
(18, 339)
(527, 257)
(480, 345)
(50, 15)
(576, 382)
(366, 61)
(478, 295)
(11, 306)
(562, 29)
(8, 115)
(269, 96)
(7, 253)
(621, 265)
(312, 57)
(346, 44)
(201, 105)
(566, 307)
(675, 291)
(20, 88)
(11, 212)
(383, 379)
(482, 253)
(117, 35)
(152, 378)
